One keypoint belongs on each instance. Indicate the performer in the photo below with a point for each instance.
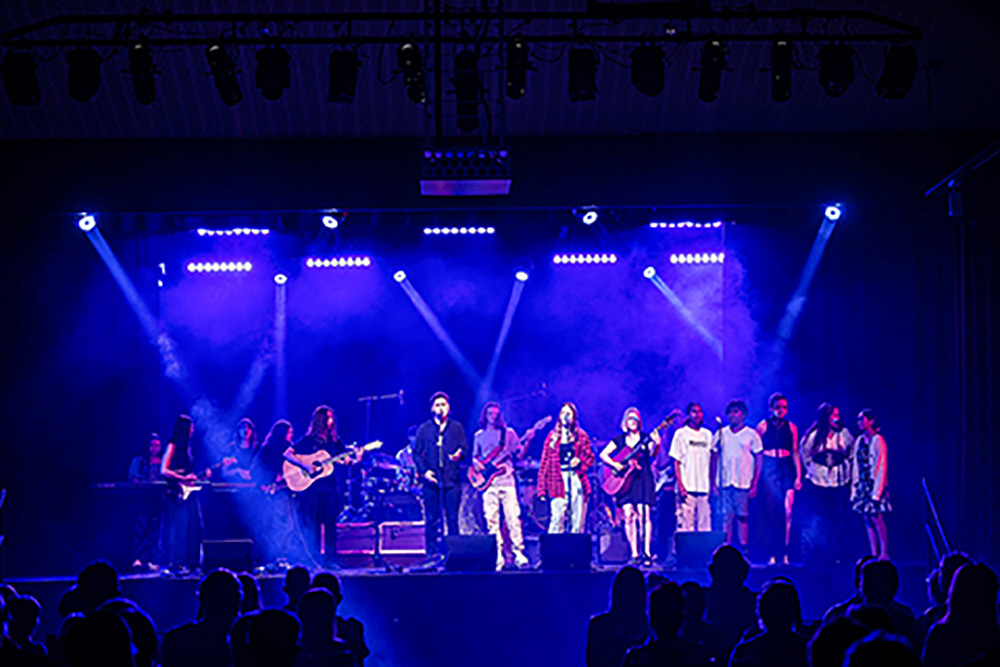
(737, 449)
(146, 467)
(566, 457)
(826, 448)
(637, 496)
(780, 478)
(319, 505)
(870, 482)
(407, 475)
(276, 528)
(239, 454)
(691, 449)
(665, 512)
(182, 517)
(494, 444)
(437, 452)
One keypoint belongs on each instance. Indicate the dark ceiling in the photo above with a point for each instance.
(957, 87)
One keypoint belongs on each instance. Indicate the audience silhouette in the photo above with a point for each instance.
(623, 625)
(730, 605)
(666, 614)
(351, 630)
(780, 614)
(205, 641)
(969, 628)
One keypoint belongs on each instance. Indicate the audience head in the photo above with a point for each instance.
(330, 582)
(22, 616)
(830, 643)
(949, 565)
(872, 617)
(274, 638)
(318, 613)
(881, 649)
(296, 584)
(879, 582)
(140, 625)
(101, 638)
(628, 592)
(934, 592)
(778, 607)
(694, 600)
(858, 566)
(972, 600)
(251, 593)
(728, 567)
(96, 584)
(7, 592)
(666, 610)
(220, 594)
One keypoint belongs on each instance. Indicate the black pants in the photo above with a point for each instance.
(182, 531)
(666, 523)
(432, 515)
(318, 507)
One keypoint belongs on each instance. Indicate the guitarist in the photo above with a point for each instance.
(496, 444)
(638, 494)
(437, 452)
(182, 526)
(319, 505)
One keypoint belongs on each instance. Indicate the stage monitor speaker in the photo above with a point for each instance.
(235, 555)
(565, 552)
(614, 547)
(471, 553)
(695, 549)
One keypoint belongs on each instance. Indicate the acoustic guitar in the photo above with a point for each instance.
(481, 479)
(321, 465)
(616, 482)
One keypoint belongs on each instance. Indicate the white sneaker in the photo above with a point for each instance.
(500, 565)
(521, 561)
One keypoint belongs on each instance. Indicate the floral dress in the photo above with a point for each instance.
(864, 487)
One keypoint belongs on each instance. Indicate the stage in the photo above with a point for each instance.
(445, 618)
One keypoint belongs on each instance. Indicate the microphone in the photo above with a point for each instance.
(401, 398)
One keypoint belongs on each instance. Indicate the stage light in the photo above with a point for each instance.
(582, 75)
(411, 63)
(522, 276)
(713, 62)
(517, 69)
(647, 69)
(466, 91)
(273, 74)
(898, 73)
(836, 68)
(19, 78)
(243, 231)
(280, 279)
(86, 223)
(832, 213)
(781, 71)
(84, 73)
(224, 72)
(140, 62)
(330, 222)
(649, 272)
(343, 76)
(399, 276)
(523, 269)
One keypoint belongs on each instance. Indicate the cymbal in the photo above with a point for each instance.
(383, 460)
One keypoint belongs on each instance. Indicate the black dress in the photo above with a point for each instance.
(642, 489)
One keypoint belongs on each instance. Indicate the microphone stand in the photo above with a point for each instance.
(377, 560)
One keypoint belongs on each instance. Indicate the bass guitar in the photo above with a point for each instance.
(616, 482)
(481, 479)
(320, 465)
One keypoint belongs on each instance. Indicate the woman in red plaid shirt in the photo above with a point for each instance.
(566, 456)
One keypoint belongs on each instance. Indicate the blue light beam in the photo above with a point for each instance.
(487, 386)
(686, 313)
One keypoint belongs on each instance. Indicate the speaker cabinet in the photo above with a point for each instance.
(471, 553)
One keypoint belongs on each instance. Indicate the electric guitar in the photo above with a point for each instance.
(616, 482)
(320, 465)
(481, 479)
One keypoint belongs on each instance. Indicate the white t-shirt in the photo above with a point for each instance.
(693, 450)
(736, 452)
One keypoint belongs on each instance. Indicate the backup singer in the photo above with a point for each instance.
(780, 478)
(182, 519)
(496, 444)
(691, 450)
(870, 482)
(640, 494)
(239, 453)
(738, 449)
(826, 449)
(566, 457)
(437, 452)
(146, 467)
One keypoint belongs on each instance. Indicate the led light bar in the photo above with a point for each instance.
(698, 258)
(586, 258)
(434, 231)
(218, 267)
(687, 224)
(242, 231)
(338, 262)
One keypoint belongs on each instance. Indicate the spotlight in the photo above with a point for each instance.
(343, 76)
(898, 73)
(833, 212)
(273, 73)
(522, 270)
(84, 73)
(517, 69)
(140, 62)
(522, 276)
(399, 276)
(224, 72)
(466, 91)
(781, 71)
(86, 223)
(582, 75)
(649, 272)
(280, 278)
(412, 65)
(713, 62)
(19, 78)
(647, 69)
(836, 68)
(330, 222)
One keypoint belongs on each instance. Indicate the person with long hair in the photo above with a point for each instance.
(969, 629)
(562, 471)
(639, 495)
(239, 453)
(826, 456)
(870, 481)
(497, 445)
(277, 527)
(780, 478)
(623, 625)
(182, 526)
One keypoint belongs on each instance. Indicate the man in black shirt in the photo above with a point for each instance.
(439, 448)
